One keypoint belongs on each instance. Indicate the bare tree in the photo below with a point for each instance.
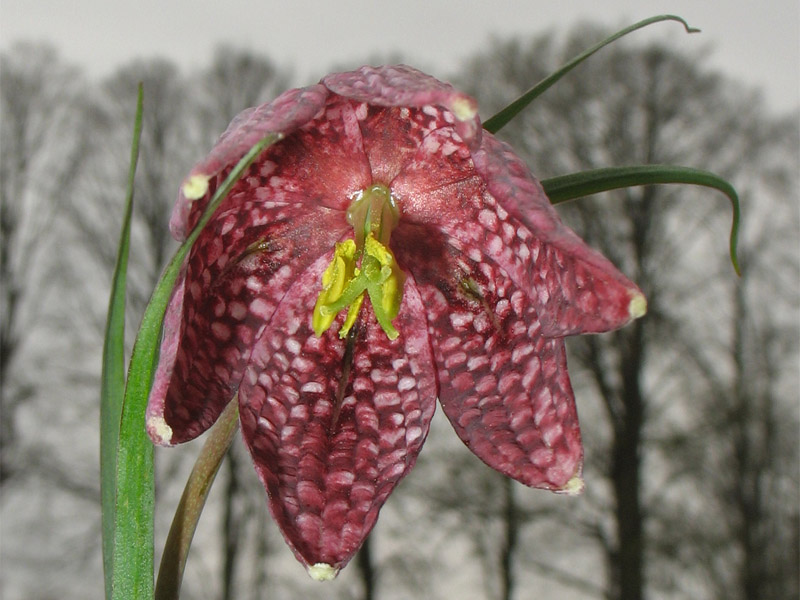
(42, 150)
(747, 430)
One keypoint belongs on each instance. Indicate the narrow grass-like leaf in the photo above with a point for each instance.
(133, 551)
(112, 388)
(585, 183)
(184, 523)
(499, 120)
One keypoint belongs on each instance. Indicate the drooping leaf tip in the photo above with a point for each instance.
(734, 249)
(681, 20)
(496, 122)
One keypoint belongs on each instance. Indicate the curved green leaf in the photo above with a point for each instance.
(112, 388)
(499, 120)
(586, 183)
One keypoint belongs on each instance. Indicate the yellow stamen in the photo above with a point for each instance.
(379, 276)
(373, 213)
(334, 279)
(352, 315)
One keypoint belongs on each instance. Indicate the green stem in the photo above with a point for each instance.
(184, 523)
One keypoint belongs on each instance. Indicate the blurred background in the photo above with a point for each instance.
(690, 416)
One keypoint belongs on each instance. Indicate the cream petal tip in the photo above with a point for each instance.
(159, 431)
(464, 108)
(195, 187)
(322, 572)
(638, 306)
(573, 487)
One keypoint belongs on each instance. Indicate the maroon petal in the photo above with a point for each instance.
(329, 469)
(390, 140)
(321, 164)
(503, 385)
(575, 289)
(289, 111)
(238, 270)
(404, 86)
(507, 392)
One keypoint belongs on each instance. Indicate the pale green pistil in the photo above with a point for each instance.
(373, 210)
(373, 214)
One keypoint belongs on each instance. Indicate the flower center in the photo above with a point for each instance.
(364, 265)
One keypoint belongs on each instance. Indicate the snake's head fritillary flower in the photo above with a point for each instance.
(385, 252)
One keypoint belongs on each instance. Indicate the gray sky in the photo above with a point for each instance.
(760, 46)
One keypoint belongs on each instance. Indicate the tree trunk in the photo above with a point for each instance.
(231, 528)
(511, 519)
(366, 568)
(627, 581)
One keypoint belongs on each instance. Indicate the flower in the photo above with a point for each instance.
(385, 252)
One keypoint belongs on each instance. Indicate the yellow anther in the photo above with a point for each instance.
(381, 253)
(386, 289)
(393, 292)
(338, 274)
(352, 314)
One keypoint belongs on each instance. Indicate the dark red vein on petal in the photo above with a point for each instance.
(347, 368)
